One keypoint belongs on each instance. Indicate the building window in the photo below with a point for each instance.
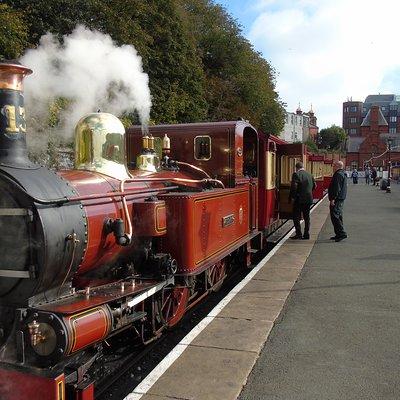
(364, 109)
(383, 108)
(353, 131)
(393, 119)
(353, 109)
(292, 120)
(353, 120)
(354, 164)
(392, 130)
(393, 107)
(346, 109)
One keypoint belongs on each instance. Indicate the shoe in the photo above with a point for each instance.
(333, 238)
(306, 237)
(340, 238)
(295, 237)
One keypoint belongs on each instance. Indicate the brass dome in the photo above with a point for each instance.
(100, 145)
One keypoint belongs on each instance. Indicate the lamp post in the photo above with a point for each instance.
(389, 144)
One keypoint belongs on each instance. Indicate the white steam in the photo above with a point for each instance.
(89, 70)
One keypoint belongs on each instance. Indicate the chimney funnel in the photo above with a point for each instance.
(13, 151)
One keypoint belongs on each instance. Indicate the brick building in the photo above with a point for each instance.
(369, 125)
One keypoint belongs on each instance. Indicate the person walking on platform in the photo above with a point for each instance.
(354, 175)
(337, 194)
(374, 175)
(302, 185)
(367, 175)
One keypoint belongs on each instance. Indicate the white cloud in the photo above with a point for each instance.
(328, 50)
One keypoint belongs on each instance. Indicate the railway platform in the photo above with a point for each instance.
(314, 320)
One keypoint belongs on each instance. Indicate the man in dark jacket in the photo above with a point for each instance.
(337, 194)
(301, 189)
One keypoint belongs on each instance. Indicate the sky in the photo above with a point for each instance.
(324, 51)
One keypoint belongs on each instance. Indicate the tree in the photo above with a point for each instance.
(13, 33)
(311, 146)
(239, 81)
(332, 138)
(157, 32)
(200, 65)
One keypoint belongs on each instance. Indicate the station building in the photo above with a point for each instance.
(299, 126)
(372, 127)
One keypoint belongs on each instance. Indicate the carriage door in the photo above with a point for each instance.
(250, 170)
(288, 156)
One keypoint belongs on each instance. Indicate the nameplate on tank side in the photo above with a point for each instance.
(228, 220)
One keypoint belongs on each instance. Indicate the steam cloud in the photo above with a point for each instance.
(91, 71)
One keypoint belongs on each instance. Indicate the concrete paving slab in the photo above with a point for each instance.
(285, 258)
(204, 373)
(256, 308)
(277, 274)
(157, 397)
(234, 334)
(267, 289)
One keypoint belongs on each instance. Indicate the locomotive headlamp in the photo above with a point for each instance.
(100, 145)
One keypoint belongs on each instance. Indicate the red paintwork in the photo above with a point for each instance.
(101, 247)
(195, 231)
(327, 182)
(149, 218)
(26, 384)
(85, 394)
(318, 192)
(226, 162)
(87, 328)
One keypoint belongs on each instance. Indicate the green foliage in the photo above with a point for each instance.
(332, 138)
(240, 83)
(312, 146)
(13, 33)
(199, 64)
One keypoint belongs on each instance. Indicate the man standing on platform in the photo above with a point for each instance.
(301, 189)
(337, 194)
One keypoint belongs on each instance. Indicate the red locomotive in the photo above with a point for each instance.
(104, 251)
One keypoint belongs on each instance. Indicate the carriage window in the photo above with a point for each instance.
(202, 148)
(317, 169)
(287, 168)
(320, 169)
(271, 170)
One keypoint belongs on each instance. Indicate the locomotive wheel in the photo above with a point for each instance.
(174, 303)
(216, 275)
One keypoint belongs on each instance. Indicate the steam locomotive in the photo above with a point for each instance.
(121, 246)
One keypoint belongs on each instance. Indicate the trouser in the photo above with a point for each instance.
(336, 212)
(355, 180)
(367, 180)
(298, 210)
